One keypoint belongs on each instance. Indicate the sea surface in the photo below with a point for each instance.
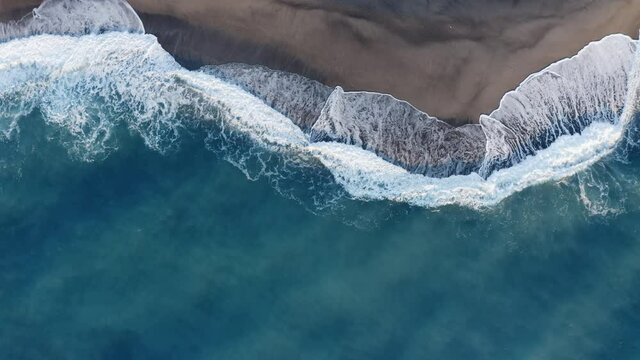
(152, 212)
(179, 256)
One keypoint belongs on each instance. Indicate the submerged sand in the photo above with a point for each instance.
(452, 59)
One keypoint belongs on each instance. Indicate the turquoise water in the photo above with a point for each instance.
(140, 255)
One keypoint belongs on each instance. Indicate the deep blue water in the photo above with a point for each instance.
(147, 256)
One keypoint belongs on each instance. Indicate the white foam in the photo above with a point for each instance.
(298, 98)
(74, 17)
(562, 99)
(87, 85)
(368, 177)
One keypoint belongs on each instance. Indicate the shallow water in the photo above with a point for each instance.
(179, 256)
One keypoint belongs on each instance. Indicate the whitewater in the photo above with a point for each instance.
(90, 76)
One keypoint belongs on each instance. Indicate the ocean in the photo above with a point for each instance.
(152, 212)
(178, 256)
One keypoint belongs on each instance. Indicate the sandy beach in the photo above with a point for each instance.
(454, 60)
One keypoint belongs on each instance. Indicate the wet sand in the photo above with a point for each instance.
(12, 9)
(452, 59)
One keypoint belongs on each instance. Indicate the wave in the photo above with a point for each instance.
(74, 17)
(298, 98)
(399, 133)
(86, 86)
(279, 125)
(391, 128)
(562, 99)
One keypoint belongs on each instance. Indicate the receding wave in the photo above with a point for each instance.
(279, 125)
(74, 17)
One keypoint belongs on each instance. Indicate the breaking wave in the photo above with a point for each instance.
(269, 123)
(562, 99)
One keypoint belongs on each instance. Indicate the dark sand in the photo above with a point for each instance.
(452, 58)
(12, 9)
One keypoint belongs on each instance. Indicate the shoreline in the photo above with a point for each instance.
(449, 63)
